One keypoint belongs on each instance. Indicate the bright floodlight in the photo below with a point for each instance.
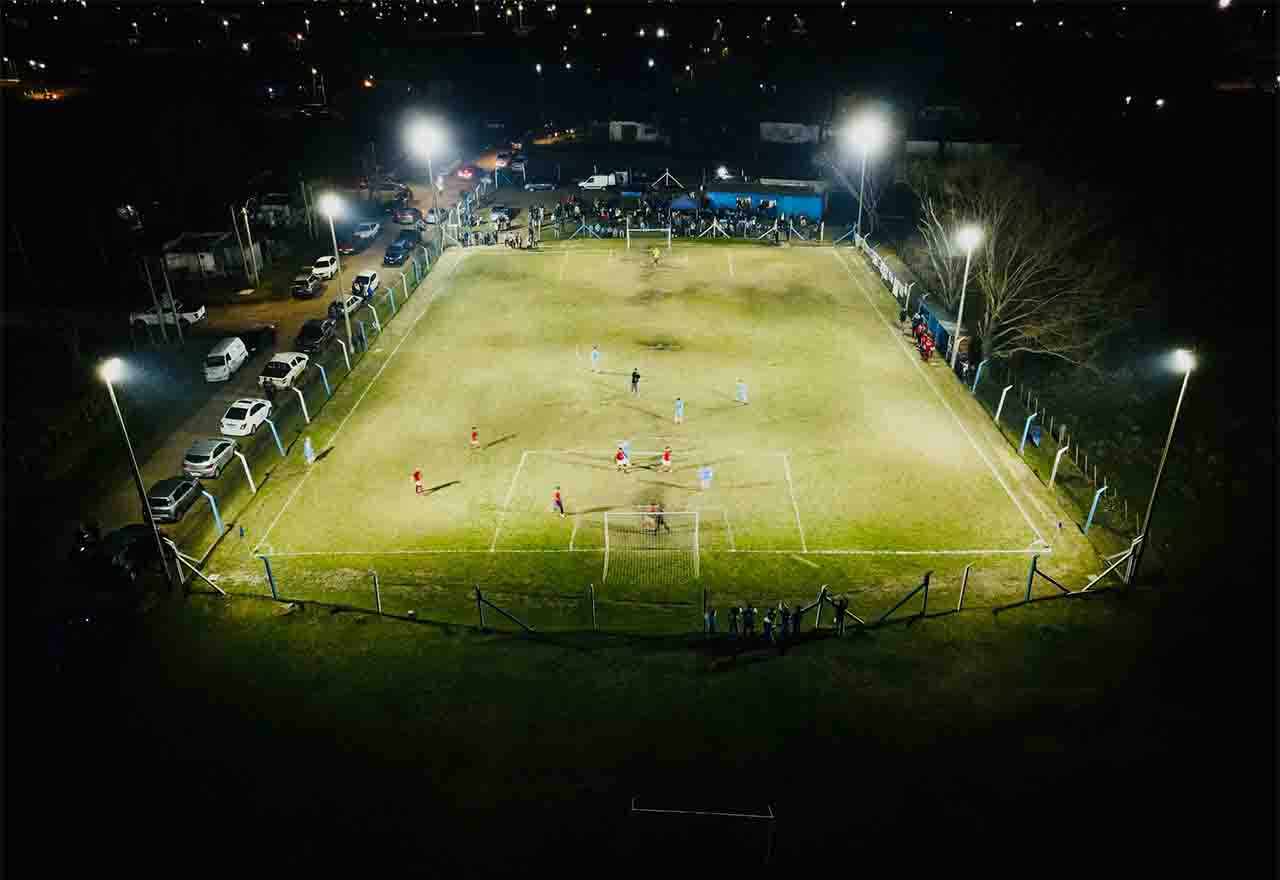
(331, 205)
(111, 370)
(1184, 359)
(969, 236)
(651, 62)
(424, 138)
(661, 33)
(537, 68)
(722, 173)
(869, 133)
(1223, 4)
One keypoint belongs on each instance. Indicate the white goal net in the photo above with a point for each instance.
(658, 548)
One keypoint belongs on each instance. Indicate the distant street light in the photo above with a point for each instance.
(968, 238)
(1223, 4)
(661, 33)
(111, 372)
(424, 139)
(330, 205)
(867, 133)
(1159, 102)
(244, 47)
(537, 68)
(1185, 361)
(651, 62)
(568, 66)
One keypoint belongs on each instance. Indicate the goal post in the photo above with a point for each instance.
(644, 234)
(648, 547)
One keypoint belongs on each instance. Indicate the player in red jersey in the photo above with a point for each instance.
(557, 502)
(475, 438)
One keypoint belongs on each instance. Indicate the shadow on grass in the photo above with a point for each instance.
(493, 443)
(435, 489)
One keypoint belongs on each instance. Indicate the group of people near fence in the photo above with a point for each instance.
(925, 343)
(778, 624)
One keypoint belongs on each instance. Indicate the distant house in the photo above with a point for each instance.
(636, 133)
(205, 253)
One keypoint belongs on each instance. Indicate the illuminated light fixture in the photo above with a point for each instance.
(568, 66)
(642, 32)
(588, 10)
(661, 33)
(1184, 360)
(651, 62)
(1223, 4)
(1017, 24)
(537, 68)
(1159, 102)
(722, 173)
(368, 84)
(244, 46)
(1128, 99)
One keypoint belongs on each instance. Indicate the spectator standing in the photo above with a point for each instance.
(733, 620)
(635, 380)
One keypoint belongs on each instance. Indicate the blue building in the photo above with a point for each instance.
(791, 201)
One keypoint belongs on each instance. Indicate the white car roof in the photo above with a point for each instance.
(249, 401)
(285, 355)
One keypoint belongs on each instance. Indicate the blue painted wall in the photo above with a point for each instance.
(788, 203)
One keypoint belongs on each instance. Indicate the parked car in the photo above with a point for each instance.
(171, 498)
(224, 359)
(283, 369)
(349, 246)
(410, 238)
(397, 253)
(345, 305)
(260, 337)
(325, 267)
(369, 229)
(466, 172)
(366, 283)
(245, 416)
(207, 458)
(308, 286)
(154, 317)
(407, 216)
(431, 215)
(539, 185)
(115, 561)
(316, 335)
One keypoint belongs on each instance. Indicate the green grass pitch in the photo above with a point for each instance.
(850, 451)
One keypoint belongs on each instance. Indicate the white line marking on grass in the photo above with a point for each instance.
(562, 264)
(729, 254)
(733, 548)
(507, 503)
(577, 519)
(786, 468)
(421, 552)
(303, 553)
(311, 469)
(808, 562)
(924, 377)
(908, 552)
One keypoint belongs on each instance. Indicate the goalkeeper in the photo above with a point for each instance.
(655, 254)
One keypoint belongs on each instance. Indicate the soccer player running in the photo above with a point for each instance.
(475, 437)
(679, 412)
(660, 519)
(595, 359)
(666, 459)
(621, 461)
(655, 254)
(742, 392)
(635, 380)
(557, 502)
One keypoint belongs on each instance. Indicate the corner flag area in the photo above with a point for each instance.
(854, 464)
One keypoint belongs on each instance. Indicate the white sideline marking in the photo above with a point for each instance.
(908, 552)
(808, 562)
(577, 519)
(729, 254)
(562, 264)
(311, 469)
(786, 468)
(505, 504)
(733, 548)
(920, 371)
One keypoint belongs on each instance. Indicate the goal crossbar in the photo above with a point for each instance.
(663, 230)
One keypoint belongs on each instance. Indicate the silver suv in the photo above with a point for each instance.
(170, 499)
(207, 458)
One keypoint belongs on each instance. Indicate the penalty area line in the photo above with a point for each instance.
(786, 469)
(792, 553)
(507, 503)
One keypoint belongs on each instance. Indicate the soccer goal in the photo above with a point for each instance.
(649, 547)
(645, 236)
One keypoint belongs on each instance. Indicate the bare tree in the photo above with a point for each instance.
(1045, 280)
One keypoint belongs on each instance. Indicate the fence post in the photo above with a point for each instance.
(324, 377)
(479, 606)
(1025, 429)
(271, 578)
(345, 356)
(377, 593)
(306, 416)
(977, 377)
(214, 505)
(1031, 575)
(1093, 507)
(274, 433)
(1057, 458)
(254, 489)
(964, 582)
(924, 606)
(1000, 407)
(592, 589)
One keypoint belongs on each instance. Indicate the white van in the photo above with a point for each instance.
(225, 358)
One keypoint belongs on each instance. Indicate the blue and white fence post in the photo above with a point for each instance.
(324, 377)
(1056, 459)
(248, 476)
(306, 416)
(1092, 508)
(1000, 406)
(271, 578)
(214, 506)
(276, 434)
(978, 375)
(1026, 429)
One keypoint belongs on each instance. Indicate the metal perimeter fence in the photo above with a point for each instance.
(533, 606)
(224, 499)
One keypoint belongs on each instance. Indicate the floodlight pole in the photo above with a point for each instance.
(955, 348)
(1136, 558)
(137, 480)
(862, 179)
(346, 313)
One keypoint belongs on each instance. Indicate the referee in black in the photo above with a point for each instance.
(660, 520)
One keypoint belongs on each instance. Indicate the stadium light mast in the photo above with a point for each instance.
(110, 372)
(331, 205)
(867, 133)
(1185, 361)
(424, 139)
(968, 238)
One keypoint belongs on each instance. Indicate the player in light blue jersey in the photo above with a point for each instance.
(742, 392)
(595, 359)
(679, 411)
